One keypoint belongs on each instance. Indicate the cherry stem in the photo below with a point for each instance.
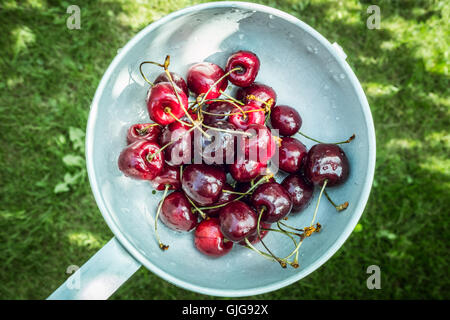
(340, 207)
(235, 192)
(225, 100)
(318, 201)
(288, 226)
(282, 263)
(294, 263)
(169, 111)
(162, 246)
(283, 232)
(217, 82)
(232, 98)
(268, 103)
(144, 130)
(250, 246)
(233, 113)
(342, 142)
(309, 230)
(265, 178)
(142, 73)
(196, 208)
(228, 131)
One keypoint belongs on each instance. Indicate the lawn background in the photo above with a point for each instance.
(48, 78)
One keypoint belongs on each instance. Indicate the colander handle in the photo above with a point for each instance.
(100, 276)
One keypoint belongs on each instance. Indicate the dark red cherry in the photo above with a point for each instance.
(245, 170)
(169, 176)
(292, 155)
(176, 78)
(220, 107)
(243, 122)
(286, 119)
(274, 199)
(261, 92)
(176, 212)
(209, 239)
(327, 162)
(300, 190)
(202, 76)
(143, 131)
(259, 146)
(203, 183)
(134, 160)
(237, 221)
(223, 198)
(248, 63)
(180, 151)
(163, 105)
(253, 238)
(219, 146)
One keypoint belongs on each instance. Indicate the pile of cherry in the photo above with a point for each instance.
(194, 146)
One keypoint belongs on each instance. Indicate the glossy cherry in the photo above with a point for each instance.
(237, 221)
(327, 162)
(259, 146)
(202, 76)
(143, 131)
(203, 183)
(245, 170)
(300, 190)
(176, 78)
(286, 119)
(209, 240)
(243, 121)
(220, 107)
(273, 199)
(176, 212)
(180, 149)
(163, 105)
(261, 92)
(141, 160)
(219, 147)
(223, 198)
(253, 238)
(249, 65)
(169, 176)
(292, 155)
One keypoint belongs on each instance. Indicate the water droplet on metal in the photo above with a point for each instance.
(333, 104)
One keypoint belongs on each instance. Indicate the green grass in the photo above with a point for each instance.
(48, 78)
